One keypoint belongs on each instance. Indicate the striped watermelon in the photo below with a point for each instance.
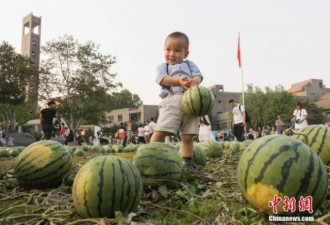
(4, 153)
(106, 184)
(158, 160)
(130, 148)
(197, 101)
(318, 141)
(117, 148)
(199, 156)
(42, 164)
(79, 152)
(244, 145)
(234, 146)
(212, 148)
(282, 166)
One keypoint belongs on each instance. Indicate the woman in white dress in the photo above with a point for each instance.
(300, 117)
(205, 129)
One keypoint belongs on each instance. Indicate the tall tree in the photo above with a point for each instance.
(265, 106)
(123, 99)
(79, 77)
(15, 70)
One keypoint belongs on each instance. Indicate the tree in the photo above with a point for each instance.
(123, 99)
(78, 77)
(15, 71)
(265, 106)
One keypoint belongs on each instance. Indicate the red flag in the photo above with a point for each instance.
(239, 53)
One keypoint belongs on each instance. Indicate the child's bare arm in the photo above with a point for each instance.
(195, 81)
(175, 81)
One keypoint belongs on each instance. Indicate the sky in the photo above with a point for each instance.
(282, 41)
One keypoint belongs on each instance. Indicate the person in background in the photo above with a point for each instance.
(238, 119)
(273, 130)
(147, 132)
(46, 120)
(68, 135)
(300, 117)
(62, 131)
(152, 126)
(292, 123)
(205, 129)
(279, 125)
(122, 133)
(10, 141)
(141, 134)
(220, 135)
(80, 138)
(3, 136)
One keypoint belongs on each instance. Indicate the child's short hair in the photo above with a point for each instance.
(178, 34)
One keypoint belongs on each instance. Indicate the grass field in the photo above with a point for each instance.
(211, 197)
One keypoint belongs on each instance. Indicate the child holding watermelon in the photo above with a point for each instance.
(175, 76)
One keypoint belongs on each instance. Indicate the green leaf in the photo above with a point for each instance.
(163, 191)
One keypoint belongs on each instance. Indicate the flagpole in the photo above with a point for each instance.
(241, 67)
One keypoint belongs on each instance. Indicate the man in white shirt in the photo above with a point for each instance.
(152, 126)
(239, 116)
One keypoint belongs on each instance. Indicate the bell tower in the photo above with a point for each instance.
(31, 31)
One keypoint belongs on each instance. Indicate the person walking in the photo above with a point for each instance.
(239, 122)
(46, 120)
(279, 125)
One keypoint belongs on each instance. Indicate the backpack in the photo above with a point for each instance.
(3, 134)
(247, 116)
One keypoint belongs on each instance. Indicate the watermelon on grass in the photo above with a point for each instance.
(283, 166)
(43, 164)
(212, 148)
(158, 160)
(199, 156)
(318, 141)
(197, 101)
(79, 152)
(107, 184)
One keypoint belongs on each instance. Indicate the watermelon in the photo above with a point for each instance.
(106, 184)
(283, 166)
(212, 148)
(227, 144)
(13, 152)
(107, 149)
(199, 156)
(158, 160)
(86, 148)
(4, 153)
(244, 145)
(117, 148)
(234, 146)
(79, 152)
(318, 141)
(197, 101)
(130, 148)
(102, 149)
(43, 164)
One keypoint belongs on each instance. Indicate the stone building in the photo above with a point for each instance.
(220, 117)
(134, 115)
(315, 91)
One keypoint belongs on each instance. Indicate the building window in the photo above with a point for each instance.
(120, 118)
(110, 119)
